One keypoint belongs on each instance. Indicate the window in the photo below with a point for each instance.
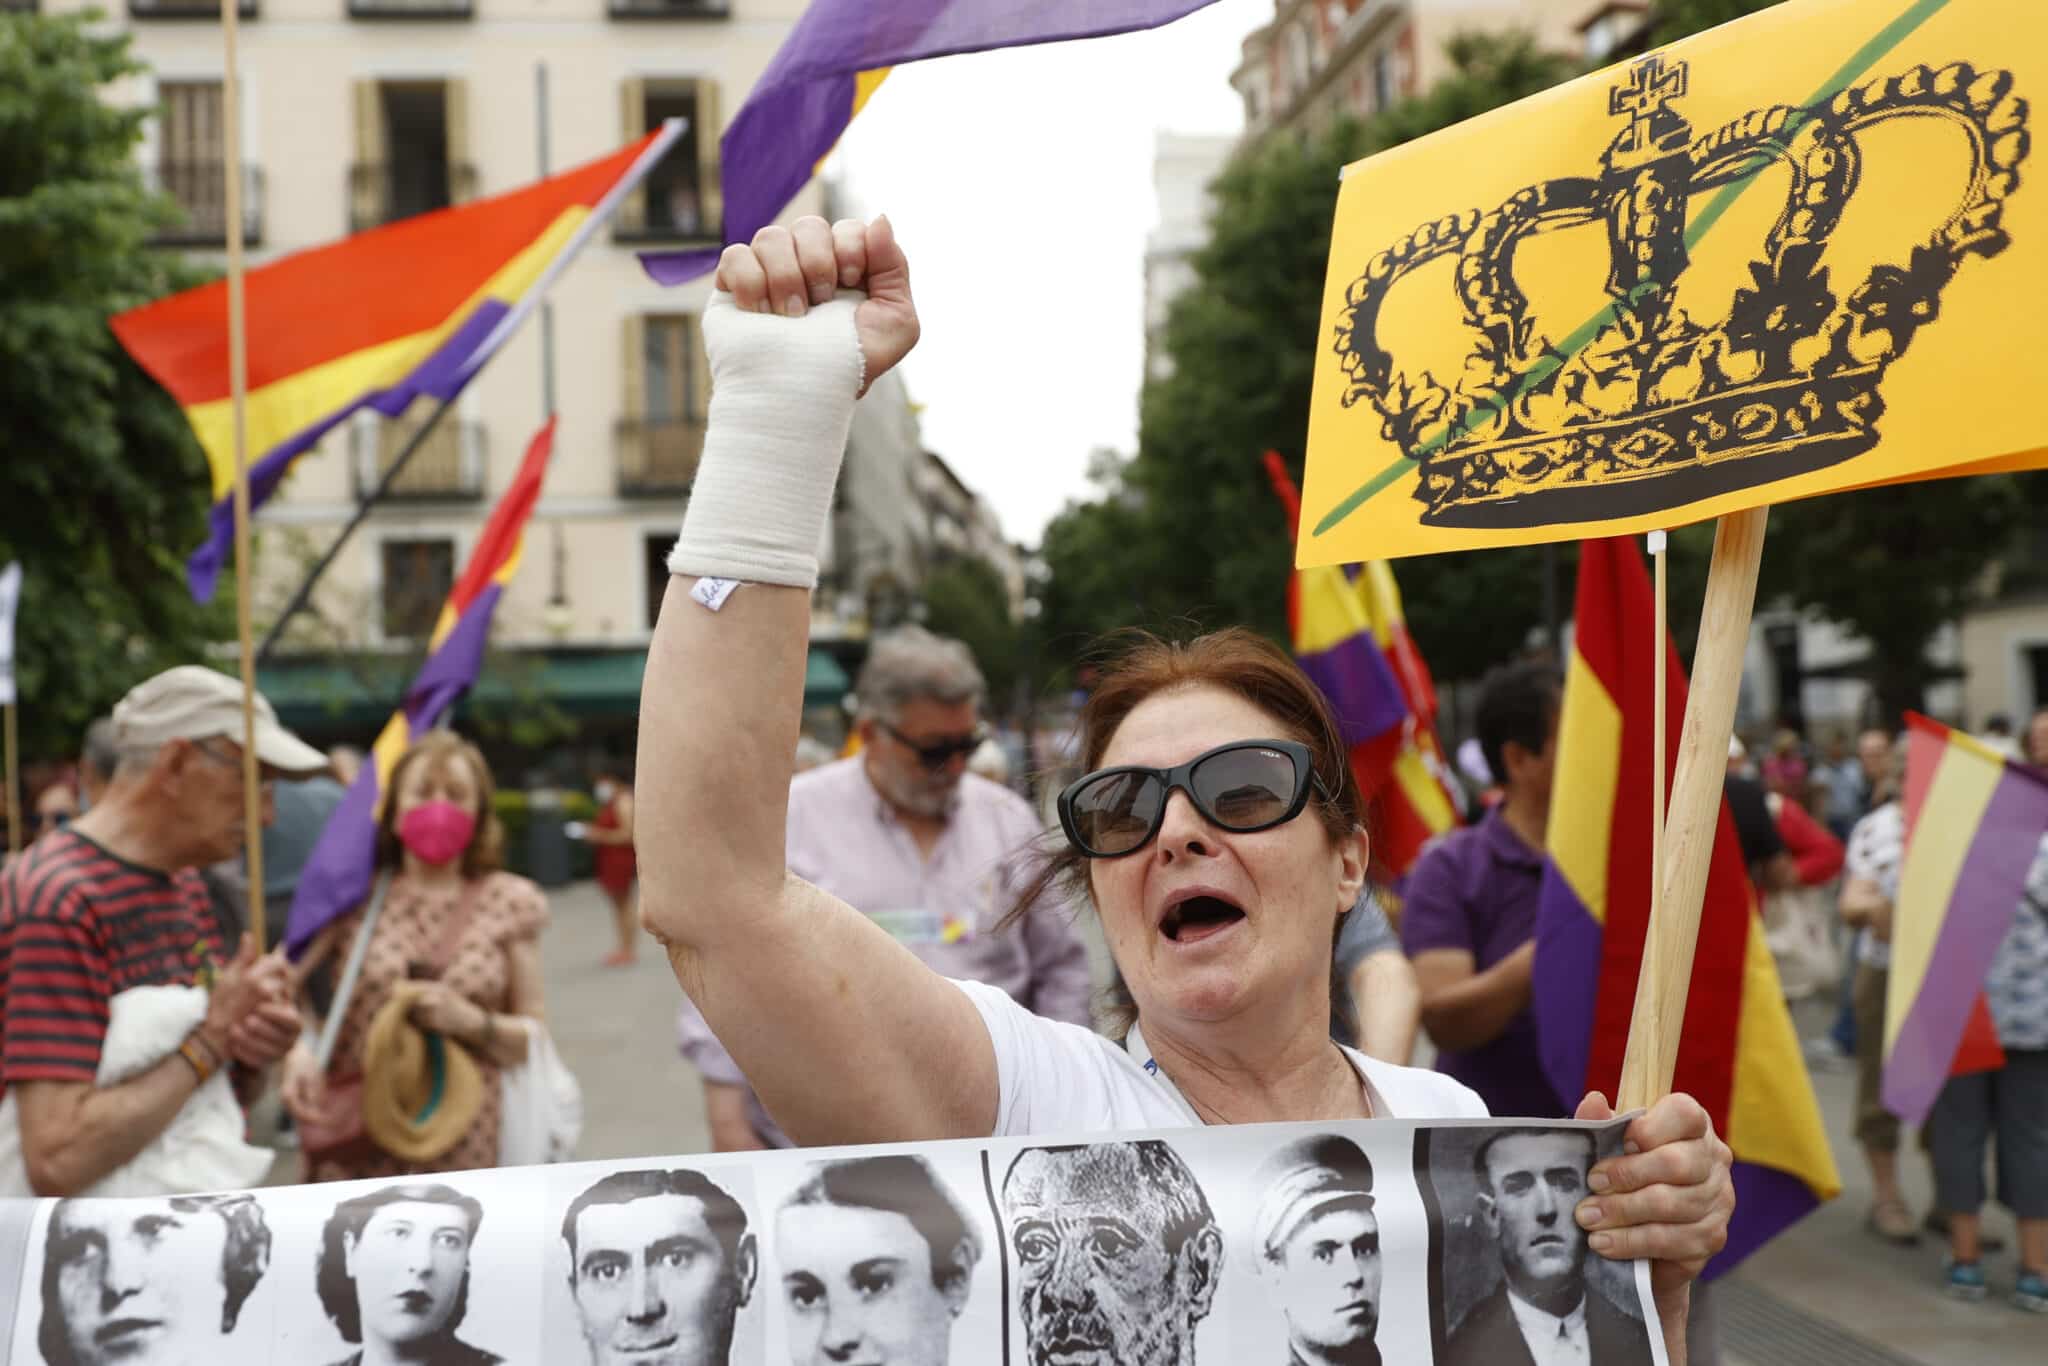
(656, 548)
(680, 199)
(2037, 666)
(1382, 80)
(668, 392)
(189, 166)
(412, 150)
(418, 576)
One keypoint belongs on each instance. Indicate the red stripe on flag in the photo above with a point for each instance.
(508, 521)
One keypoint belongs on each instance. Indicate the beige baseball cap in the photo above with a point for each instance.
(191, 702)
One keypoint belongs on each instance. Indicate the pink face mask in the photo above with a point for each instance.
(436, 832)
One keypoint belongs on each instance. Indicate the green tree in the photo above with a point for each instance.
(965, 598)
(1188, 532)
(1674, 19)
(105, 486)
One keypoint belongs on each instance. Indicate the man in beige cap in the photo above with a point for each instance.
(1317, 1247)
(113, 903)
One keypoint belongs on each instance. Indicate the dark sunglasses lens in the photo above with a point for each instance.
(1114, 814)
(1243, 789)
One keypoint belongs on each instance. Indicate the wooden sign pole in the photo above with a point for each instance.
(1695, 815)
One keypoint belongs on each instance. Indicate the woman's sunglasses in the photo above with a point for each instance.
(1242, 787)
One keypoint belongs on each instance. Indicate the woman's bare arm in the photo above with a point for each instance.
(845, 1035)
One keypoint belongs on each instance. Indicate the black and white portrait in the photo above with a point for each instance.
(394, 1275)
(877, 1260)
(150, 1282)
(1316, 1244)
(661, 1262)
(1118, 1253)
(1519, 1283)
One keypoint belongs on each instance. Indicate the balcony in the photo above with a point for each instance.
(384, 193)
(670, 9)
(201, 191)
(447, 467)
(169, 9)
(410, 9)
(658, 456)
(664, 209)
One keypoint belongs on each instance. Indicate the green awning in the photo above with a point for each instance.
(331, 694)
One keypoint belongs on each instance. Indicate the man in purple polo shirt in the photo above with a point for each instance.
(1469, 918)
(932, 853)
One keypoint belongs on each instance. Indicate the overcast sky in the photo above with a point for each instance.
(1020, 183)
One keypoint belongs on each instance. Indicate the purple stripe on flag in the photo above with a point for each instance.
(440, 375)
(1767, 1201)
(1569, 944)
(337, 874)
(1359, 682)
(1980, 911)
(804, 100)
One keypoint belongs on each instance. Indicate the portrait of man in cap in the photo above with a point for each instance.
(150, 1282)
(660, 1265)
(1117, 1251)
(1317, 1249)
(1546, 1307)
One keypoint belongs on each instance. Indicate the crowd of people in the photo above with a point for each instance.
(883, 947)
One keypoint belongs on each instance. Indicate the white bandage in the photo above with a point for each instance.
(782, 392)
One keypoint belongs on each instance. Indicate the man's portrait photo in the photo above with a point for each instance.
(1521, 1286)
(393, 1275)
(877, 1261)
(157, 1282)
(660, 1265)
(1118, 1253)
(1316, 1245)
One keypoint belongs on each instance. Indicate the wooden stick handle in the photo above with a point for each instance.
(13, 787)
(1695, 817)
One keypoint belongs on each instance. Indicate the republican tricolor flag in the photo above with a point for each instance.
(410, 309)
(1738, 1054)
(1351, 638)
(837, 56)
(1975, 821)
(337, 874)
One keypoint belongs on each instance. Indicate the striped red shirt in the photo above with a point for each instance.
(78, 926)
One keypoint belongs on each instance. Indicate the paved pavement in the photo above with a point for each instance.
(1825, 1292)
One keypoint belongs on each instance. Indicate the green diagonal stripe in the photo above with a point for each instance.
(1852, 70)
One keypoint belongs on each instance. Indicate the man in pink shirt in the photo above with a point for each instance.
(935, 855)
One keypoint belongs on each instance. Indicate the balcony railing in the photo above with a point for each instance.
(385, 193)
(671, 9)
(658, 456)
(664, 209)
(201, 190)
(449, 464)
(410, 9)
(172, 9)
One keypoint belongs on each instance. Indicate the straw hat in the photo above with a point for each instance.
(421, 1092)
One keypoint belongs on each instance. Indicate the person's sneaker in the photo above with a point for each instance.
(2031, 1294)
(1965, 1280)
(1893, 1222)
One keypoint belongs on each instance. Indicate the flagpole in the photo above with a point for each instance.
(1659, 712)
(304, 592)
(238, 382)
(1695, 814)
(13, 788)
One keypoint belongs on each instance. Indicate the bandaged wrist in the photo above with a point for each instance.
(782, 392)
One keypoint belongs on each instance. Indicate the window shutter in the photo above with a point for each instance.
(709, 126)
(699, 398)
(455, 111)
(635, 367)
(366, 202)
(633, 124)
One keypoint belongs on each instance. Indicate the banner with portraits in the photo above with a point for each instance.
(1357, 1242)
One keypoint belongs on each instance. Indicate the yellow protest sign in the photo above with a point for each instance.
(1787, 257)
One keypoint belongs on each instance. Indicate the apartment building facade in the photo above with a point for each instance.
(355, 113)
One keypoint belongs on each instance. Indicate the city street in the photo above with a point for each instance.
(1825, 1293)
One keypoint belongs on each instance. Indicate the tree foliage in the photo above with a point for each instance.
(1187, 532)
(105, 485)
(965, 598)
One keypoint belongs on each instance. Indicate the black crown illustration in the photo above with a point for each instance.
(1646, 407)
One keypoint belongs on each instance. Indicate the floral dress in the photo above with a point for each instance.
(414, 927)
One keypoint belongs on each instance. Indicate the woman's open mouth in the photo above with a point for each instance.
(1198, 918)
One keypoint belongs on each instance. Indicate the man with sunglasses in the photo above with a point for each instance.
(933, 854)
(114, 902)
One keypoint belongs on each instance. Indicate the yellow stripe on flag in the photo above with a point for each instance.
(1773, 1118)
(1582, 795)
(1331, 612)
(1942, 835)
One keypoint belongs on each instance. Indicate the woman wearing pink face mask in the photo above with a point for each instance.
(451, 921)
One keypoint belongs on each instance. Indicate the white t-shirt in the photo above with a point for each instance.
(1058, 1078)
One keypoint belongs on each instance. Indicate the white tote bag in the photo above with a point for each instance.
(543, 1105)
